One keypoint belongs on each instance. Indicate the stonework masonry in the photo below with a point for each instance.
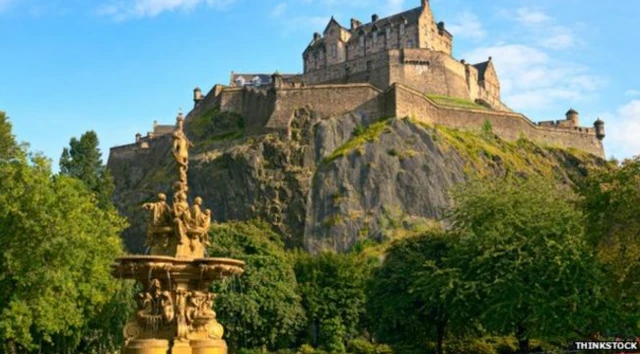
(385, 68)
(273, 109)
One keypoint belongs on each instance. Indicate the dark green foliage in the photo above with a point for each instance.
(611, 202)
(261, 307)
(363, 346)
(405, 311)
(83, 160)
(333, 288)
(521, 256)
(214, 125)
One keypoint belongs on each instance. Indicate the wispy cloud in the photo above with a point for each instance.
(467, 25)
(623, 126)
(526, 16)
(530, 78)
(279, 9)
(122, 10)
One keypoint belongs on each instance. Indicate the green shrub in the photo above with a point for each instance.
(361, 346)
(475, 346)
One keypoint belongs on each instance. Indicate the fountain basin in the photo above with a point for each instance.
(204, 270)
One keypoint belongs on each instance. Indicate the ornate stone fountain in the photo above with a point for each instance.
(175, 311)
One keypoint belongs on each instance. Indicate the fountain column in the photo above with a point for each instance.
(175, 313)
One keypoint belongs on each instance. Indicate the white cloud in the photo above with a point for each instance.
(556, 37)
(151, 8)
(632, 93)
(279, 9)
(531, 17)
(467, 25)
(623, 130)
(526, 16)
(530, 78)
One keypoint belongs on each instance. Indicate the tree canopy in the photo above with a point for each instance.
(56, 247)
(83, 160)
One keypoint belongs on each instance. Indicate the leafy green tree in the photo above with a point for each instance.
(9, 148)
(56, 247)
(611, 203)
(410, 295)
(260, 308)
(83, 160)
(333, 289)
(523, 258)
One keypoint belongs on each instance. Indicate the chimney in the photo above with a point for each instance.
(374, 18)
(355, 23)
(138, 137)
(316, 36)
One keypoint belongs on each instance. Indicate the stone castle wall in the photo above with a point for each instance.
(428, 71)
(272, 110)
(507, 125)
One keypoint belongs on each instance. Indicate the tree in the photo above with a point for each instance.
(83, 160)
(611, 202)
(333, 290)
(9, 148)
(56, 247)
(522, 256)
(260, 308)
(410, 295)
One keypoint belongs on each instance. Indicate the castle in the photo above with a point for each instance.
(397, 66)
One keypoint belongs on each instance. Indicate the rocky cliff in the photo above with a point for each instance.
(332, 181)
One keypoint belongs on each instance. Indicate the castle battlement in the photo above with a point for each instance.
(396, 66)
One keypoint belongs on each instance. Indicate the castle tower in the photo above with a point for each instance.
(573, 116)
(197, 96)
(599, 125)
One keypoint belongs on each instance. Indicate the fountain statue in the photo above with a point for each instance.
(175, 311)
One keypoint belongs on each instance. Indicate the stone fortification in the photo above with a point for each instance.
(389, 67)
(408, 48)
(273, 110)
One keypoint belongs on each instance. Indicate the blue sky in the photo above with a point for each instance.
(115, 66)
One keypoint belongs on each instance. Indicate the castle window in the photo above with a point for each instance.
(387, 32)
(334, 50)
(375, 37)
(368, 65)
(402, 29)
(409, 44)
(362, 41)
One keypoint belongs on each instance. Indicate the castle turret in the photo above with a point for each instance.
(197, 96)
(599, 125)
(138, 137)
(276, 79)
(573, 116)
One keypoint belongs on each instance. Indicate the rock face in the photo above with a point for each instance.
(332, 182)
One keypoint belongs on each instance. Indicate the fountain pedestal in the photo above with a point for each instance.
(175, 311)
